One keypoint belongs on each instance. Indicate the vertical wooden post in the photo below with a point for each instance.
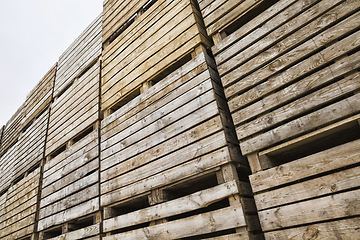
(158, 196)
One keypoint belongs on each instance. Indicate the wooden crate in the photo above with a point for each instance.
(12, 130)
(27, 152)
(40, 97)
(76, 90)
(141, 41)
(18, 207)
(79, 56)
(182, 117)
(292, 85)
(70, 190)
(8, 157)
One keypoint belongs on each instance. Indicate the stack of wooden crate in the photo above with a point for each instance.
(29, 129)
(290, 73)
(69, 205)
(169, 154)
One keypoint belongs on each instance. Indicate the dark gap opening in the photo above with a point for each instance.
(126, 99)
(87, 68)
(193, 185)
(83, 134)
(148, 5)
(58, 151)
(249, 16)
(122, 28)
(131, 206)
(211, 235)
(18, 179)
(83, 223)
(3, 192)
(33, 168)
(212, 207)
(65, 88)
(344, 134)
(89, 173)
(57, 231)
(24, 129)
(167, 71)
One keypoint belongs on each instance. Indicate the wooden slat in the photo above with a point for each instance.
(70, 189)
(222, 219)
(310, 64)
(185, 204)
(331, 159)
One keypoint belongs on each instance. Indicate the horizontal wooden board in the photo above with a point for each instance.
(222, 219)
(159, 159)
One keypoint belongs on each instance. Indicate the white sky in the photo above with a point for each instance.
(33, 34)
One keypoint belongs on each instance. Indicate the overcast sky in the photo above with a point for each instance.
(34, 33)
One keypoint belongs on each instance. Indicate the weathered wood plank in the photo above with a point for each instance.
(184, 204)
(72, 153)
(331, 159)
(298, 38)
(30, 220)
(167, 90)
(203, 114)
(347, 229)
(222, 219)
